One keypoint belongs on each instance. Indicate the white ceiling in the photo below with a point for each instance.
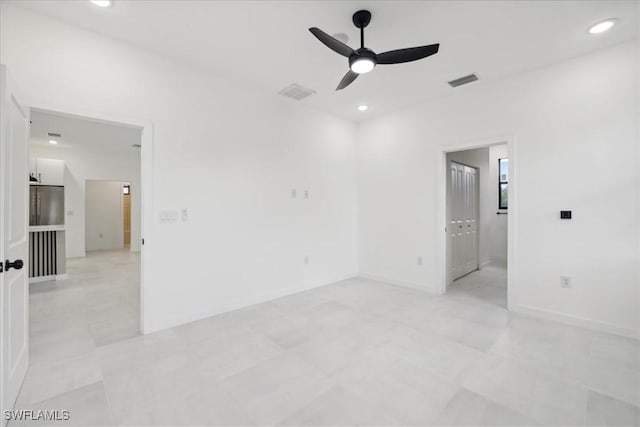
(81, 133)
(268, 44)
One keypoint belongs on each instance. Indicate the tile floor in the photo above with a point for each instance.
(488, 285)
(356, 352)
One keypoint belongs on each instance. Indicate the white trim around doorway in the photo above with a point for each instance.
(441, 211)
(146, 185)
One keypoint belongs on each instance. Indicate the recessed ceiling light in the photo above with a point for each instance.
(602, 26)
(53, 141)
(101, 3)
(363, 107)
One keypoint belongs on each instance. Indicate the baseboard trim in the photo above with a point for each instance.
(41, 279)
(403, 283)
(237, 305)
(594, 325)
(48, 278)
(484, 264)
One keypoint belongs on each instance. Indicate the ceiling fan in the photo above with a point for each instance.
(364, 60)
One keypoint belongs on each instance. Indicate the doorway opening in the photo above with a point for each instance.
(98, 166)
(108, 215)
(475, 207)
(55, 325)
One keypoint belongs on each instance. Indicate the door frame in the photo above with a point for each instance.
(146, 185)
(448, 200)
(442, 273)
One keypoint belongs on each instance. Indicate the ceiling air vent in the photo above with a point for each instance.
(463, 80)
(54, 135)
(297, 92)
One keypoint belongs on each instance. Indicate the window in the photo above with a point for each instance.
(503, 183)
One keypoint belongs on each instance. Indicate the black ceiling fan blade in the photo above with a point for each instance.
(347, 79)
(407, 55)
(332, 43)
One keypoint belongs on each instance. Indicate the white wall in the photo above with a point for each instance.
(227, 152)
(83, 164)
(104, 215)
(576, 134)
(497, 223)
(479, 158)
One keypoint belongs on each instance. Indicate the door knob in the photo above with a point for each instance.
(17, 264)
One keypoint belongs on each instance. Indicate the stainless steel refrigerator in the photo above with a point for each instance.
(46, 205)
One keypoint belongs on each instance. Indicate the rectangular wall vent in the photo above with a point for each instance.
(463, 80)
(297, 92)
(55, 135)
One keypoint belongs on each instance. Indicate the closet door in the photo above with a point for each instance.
(463, 219)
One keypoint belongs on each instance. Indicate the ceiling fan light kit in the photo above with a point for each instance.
(362, 64)
(363, 60)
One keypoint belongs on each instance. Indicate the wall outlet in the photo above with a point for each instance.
(185, 214)
(100, 235)
(565, 281)
(293, 193)
(306, 194)
(306, 260)
(419, 260)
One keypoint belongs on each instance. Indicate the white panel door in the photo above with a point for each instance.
(463, 219)
(14, 291)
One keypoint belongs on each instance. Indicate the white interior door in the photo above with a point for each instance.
(14, 290)
(463, 219)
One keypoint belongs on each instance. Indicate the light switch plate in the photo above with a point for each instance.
(168, 216)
